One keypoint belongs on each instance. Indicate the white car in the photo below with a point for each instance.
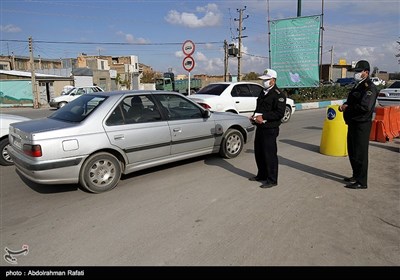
(5, 121)
(72, 94)
(236, 97)
(377, 81)
(390, 96)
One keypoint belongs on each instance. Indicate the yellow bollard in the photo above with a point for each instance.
(334, 133)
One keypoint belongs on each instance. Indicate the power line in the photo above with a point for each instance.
(253, 55)
(109, 43)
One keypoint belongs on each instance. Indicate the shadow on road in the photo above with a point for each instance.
(313, 127)
(227, 166)
(389, 148)
(305, 146)
(311, 170)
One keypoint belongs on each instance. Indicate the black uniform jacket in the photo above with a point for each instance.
(361, 102)
(272, 107)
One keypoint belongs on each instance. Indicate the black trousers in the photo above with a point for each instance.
(357, 147)
(265, 150)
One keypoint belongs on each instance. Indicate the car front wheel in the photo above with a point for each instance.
(62, 104)
(100, 173)
(288, 114)
(5, 158)
(232, 144)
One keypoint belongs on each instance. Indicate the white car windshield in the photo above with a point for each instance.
(213, 89)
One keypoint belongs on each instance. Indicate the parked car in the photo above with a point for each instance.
(236, 97)
(377, 81)
(72, 94)
(97, 137)
(5, 121)
(349, 82)
(391, 95)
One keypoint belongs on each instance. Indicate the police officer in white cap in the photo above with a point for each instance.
(357, 112)
(271, 105)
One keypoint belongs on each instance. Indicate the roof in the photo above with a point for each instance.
(27, 74)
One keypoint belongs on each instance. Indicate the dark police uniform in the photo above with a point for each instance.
(271, 104)
(358, 116)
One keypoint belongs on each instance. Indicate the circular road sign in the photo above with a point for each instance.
(188, 63)
(188, 47)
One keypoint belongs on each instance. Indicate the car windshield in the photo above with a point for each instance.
(395, 85)
(213, 89)
(159, 81)
(79, 109)
(68, 91)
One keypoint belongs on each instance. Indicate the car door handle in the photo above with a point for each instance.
(237, 102)
(177, 130)
(119, 137)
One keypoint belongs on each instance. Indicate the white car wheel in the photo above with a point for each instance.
(288, 114)
(62, 104)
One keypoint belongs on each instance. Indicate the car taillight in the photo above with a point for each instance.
(381, 94)
(32, 150)
(205, 106)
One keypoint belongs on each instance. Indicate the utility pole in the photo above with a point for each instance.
(225, 60)
(298, 8)
(240, 29)
(12, 61)
(33, 78)
(331, 66)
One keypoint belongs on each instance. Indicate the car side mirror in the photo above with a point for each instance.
(206, 114)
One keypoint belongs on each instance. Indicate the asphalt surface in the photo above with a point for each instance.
(204, 212)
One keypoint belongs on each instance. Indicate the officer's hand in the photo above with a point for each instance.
(259, 119)
(343, 107)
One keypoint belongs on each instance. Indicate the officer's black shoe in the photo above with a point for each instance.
(255, 178)
(349, 179)
(267, 185)
(356, 186)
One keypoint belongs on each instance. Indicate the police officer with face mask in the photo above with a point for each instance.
(357, 113)
(270, 109)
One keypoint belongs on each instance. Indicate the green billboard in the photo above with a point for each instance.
(295, 51)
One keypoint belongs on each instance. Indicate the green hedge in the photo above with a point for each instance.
(322, 93)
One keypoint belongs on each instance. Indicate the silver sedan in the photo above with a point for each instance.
(97, 137)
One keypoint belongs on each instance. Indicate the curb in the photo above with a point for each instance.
(316, 105)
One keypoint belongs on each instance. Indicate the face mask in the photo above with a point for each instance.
(357, 76)
(266, 84)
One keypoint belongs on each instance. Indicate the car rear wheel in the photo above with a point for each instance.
(232, 144)
(288, 114)
(5, 158)
(100, 173)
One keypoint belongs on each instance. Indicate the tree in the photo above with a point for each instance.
(148, 76)
(251, 76)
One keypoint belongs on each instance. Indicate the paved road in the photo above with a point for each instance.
(204, 212)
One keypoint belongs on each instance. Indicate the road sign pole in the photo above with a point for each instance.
(188, 48)
(189, 85)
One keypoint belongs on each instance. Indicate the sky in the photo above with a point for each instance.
(154, 30)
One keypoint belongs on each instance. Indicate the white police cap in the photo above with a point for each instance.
(268, 74)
